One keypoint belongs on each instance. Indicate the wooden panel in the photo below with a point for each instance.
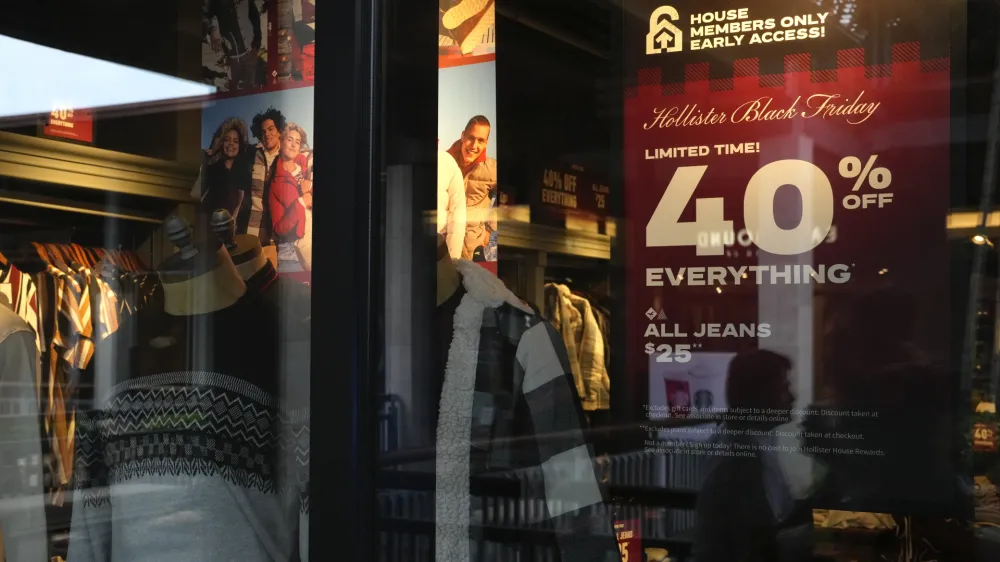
(55, 162)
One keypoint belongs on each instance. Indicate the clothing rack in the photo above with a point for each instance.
(57, 204)
(72, 297)
(61, 206)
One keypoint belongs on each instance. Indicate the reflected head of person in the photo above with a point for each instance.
(746, 510)
(758, 387)
(266, 128)
(227, 176)
(475, 139)
(229, 142)
(293, 138)
(231, 145)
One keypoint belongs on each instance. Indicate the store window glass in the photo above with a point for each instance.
(700, 281)
(156, 212)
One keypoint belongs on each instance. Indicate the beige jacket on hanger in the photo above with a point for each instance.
(22, 513)
(573, 317)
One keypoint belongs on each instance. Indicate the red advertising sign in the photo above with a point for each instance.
(69, 123)
(569, 189)
(984, 437)
(629, 534)
(786, 189)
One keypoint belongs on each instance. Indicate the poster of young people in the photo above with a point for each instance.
(467, 198)
(255, 45)
(258, 163)
(786, 176)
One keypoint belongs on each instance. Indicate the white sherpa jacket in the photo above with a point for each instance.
(508, 404)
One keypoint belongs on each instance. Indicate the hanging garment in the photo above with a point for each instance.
(71, 349)
(507, 382)
(22, 514)
(566, 319)
(104, 301)
(73, 337)
(203, 422)
(18, 292)
(574, 319)
(603, 317)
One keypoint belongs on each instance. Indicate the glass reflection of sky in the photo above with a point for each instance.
(39, 79)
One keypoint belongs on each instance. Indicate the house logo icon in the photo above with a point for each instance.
(664, 36)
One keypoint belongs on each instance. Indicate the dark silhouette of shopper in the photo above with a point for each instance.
(908, 422)
(745, 510)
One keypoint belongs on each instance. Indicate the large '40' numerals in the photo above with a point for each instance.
(665, 229)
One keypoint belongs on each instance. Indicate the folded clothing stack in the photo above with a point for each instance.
(834, 519)
(987, 501)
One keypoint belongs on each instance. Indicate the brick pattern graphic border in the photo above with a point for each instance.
(902, 54)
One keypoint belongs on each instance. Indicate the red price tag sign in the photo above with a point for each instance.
(629, 540)
(69, 123)
(984, 437)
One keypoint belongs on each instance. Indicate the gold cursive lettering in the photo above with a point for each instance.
(825, 106)
(853, 110)
(760, 110)
(687, 116)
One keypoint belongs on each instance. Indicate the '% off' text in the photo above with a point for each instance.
(877, 178)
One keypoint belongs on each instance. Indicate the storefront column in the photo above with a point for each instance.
(534, 266)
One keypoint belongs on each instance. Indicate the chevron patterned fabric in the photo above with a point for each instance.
(191, 424)
(206, 439)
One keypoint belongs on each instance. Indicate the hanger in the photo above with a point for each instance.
(80, 256)
(115, 259)
(93, 256)
(23, 257)
(137, 263)
(5, 265)
(56, 257)
(74, 257)
(44, 254)
(124, 260)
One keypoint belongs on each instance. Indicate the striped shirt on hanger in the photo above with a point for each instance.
(17, 291)
(72, 347)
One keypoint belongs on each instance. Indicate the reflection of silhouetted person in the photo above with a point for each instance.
(745, 511)
(875, 365)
